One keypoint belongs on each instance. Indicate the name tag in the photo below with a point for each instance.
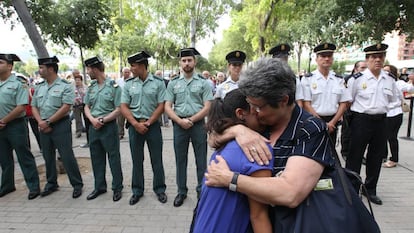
(324, 184)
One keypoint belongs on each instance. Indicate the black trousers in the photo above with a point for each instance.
(393, 125)
(367, 133)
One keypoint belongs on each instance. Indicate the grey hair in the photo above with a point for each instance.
(270, 79)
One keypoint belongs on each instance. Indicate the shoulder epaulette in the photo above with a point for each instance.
(66, 81)
(22, 79)
(130, 79)
(308, 75)
(339, 76)
(157, 77)
(40, 82)
(357, 75)
(200, 76)
(113, 83)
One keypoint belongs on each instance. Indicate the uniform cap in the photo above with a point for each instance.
(138, 57)
(93, 61)
(188, 52)
(324, 48)
(376, 48)
(48, 60)
(9, 58)
(280, 50)
(236, 57)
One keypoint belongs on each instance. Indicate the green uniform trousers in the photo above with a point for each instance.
(153, 137)
(182, 137)
(102, 142)
(61, 139)
(14, 137)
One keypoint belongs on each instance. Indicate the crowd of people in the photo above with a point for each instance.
(262, 120)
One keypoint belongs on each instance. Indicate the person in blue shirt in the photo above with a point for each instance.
(224, 209)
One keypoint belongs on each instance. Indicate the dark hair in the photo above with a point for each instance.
(356, 66)
(393, 72)
(270, 79)
(100, 66)
(222, 113)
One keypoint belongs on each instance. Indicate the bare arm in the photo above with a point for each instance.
(185, 123)
(14, 113)
(94, 121)
(140, 127)
(341, 109)
(307, 105)
(156, 114)
(259, 215)
(289, 189)
(252, 143)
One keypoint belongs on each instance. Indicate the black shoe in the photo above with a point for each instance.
(33, 194)
(373, 198)
(134, 199)
(48, 191)
(77, 192)
(117, 195)
(94, 194)
(162, 197)
(179, 200)
(4, 193)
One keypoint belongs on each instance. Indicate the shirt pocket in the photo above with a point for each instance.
(366, 94)
(55, 98)
(9, 95)
(108, 96)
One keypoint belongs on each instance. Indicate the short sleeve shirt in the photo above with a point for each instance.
(306, 136)
(325, 94)
(49, 98)
(226, 87)
(13, 92)
(104, 99)
(371, 95)
(143, 97)
(188, 96)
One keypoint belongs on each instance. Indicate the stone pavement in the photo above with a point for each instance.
(59, 212)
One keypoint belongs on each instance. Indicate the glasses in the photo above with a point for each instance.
(256, 107)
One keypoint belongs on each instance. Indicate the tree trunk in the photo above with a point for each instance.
(31, 29)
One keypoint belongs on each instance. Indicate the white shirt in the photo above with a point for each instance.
(121, 82)
(225, 88)
(371, 95)
(395, 106)
(299, 90)
(325, 94)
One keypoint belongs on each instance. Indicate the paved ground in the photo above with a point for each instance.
(60, 213)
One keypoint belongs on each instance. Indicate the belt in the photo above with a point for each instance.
(141, 120)
(59, 121)
(185, 116)
(370, 116)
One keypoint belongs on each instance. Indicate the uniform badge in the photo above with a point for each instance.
(314, 86)
(226, 87)
(364, 86)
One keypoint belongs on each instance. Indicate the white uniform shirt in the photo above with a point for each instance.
(299, 90)
(225, 88)
(325, 94)
(395, 107)
(371, 95)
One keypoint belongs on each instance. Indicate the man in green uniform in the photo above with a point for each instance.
(102, 102)
(191, 95)
(142, 104)
(14, 97)
(51, 104)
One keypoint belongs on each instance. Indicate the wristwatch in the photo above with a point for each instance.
(100, 119)
(233, 183)
(48, 122)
